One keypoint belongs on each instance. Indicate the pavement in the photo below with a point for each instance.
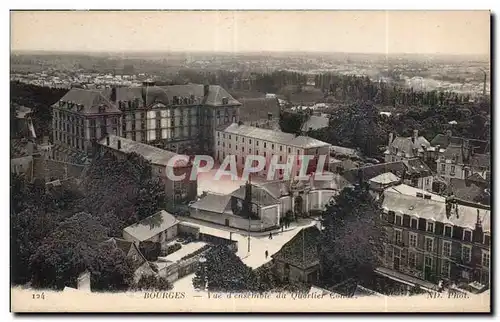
(258, 245)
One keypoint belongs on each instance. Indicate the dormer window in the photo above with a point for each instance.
(102, 108)
(467, 235)
(448, 231)
(430, 227)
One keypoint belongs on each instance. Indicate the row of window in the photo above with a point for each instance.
(429, 246)
(445, 264)
(430, 228)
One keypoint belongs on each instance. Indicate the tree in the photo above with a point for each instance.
(224, 271)
(111, 270)
(150, 250)
(67, 252)
(353, 236)
(291, 122)
(153, 283)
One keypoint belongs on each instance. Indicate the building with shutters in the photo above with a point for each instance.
(432, 240)
(177, 117)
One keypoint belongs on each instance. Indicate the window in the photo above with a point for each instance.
(447, 231)
(281, 158)
(218, 134)
(443, 167)
(236, 158)
(430, 227)
(264, 145)
(412, 259)
(398, 235)
(236, 147)
(428, 261)
(414, 223)
(467, 235)
(229, 145)
(446, 248)
(242, 149)
(289, 150)
(250, 141)
(487, 239)
(466, 253)
(229, 136)
(242, 160)
(243, 140)
(446, 268)
(485, 258)
(265, 154)
(223, 136)
(272, 146)
(236, 139)
(218, 142)
(281, 148)
(429, 244)
(257, 143)
(399, 220)
(413, 240)
(452, 171)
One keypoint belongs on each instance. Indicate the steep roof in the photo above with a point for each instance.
(462, 216)
(255, 109)
(152, 154)
(260, 195)
(212, 202)
(274, 136)
(146, 96)
(406, 146)
(302, 250)
(151, 226)
(89, 99)
(459, 153)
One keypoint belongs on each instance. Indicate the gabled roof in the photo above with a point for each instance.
(125, 247)
(416, 166)
(260, 195)
(302, 250)
(407, 146)
(151, 226)
(152, 154)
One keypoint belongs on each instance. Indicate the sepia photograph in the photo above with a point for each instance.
(250, 161)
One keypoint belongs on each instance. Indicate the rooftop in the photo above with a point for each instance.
(443, 140)
(152, 154)
(151, 226)
(288, 139)
(408, 145)
(146, 96)
(462, 216)
(212, 202)
(385, 178)
(407, 190)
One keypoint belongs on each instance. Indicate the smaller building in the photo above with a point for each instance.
(401, 148)
(140, 265)
(298, 260)
(160, 227)
(180, 190)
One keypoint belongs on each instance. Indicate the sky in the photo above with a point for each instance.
(414, 32)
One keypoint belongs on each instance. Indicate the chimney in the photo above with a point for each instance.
(448, 133)
(360, 177)
(119, 144)
(206, 89)
(415, 135)
(448, 209)
(391, 138)
(107, 140)
(113, 94)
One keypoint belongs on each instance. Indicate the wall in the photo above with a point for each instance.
(270, 215)
(234, 221)
(186, 229)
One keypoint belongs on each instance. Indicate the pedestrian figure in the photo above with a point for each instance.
(270, 235)
(267, 254)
